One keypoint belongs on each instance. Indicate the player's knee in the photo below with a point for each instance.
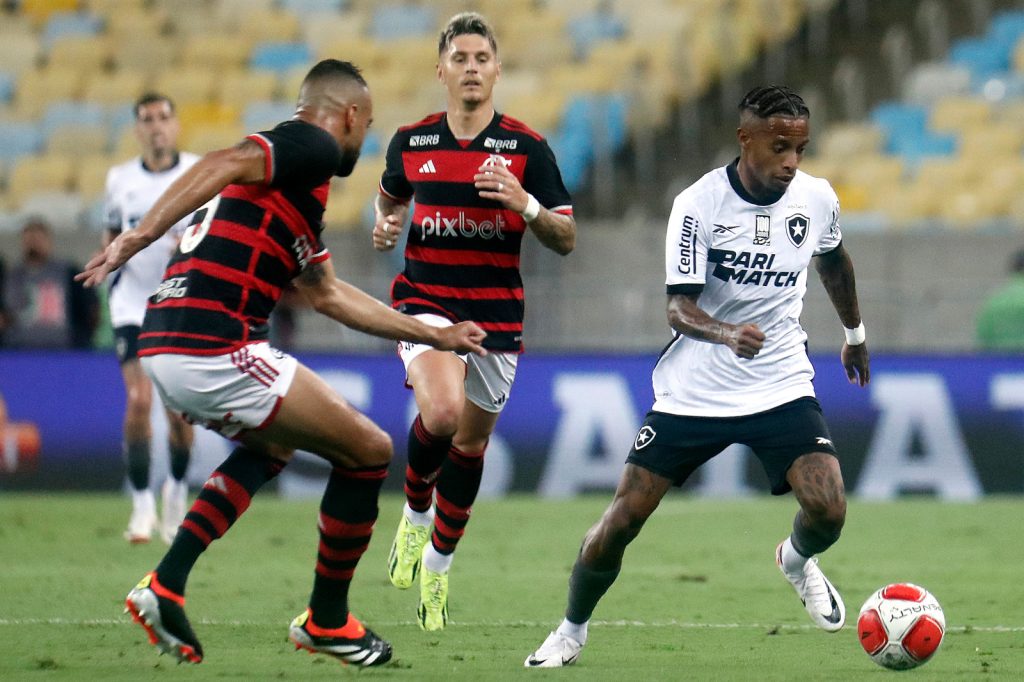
(441, 418)
(378, 449)
(139, 404)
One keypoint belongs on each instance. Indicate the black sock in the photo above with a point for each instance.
(179, 462)
(457, 487)
(137, 458)
(224, 497)
(586, 587)
(810, 541)
(348, 511)
(426, 454)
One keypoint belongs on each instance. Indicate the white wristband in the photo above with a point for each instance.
(532, 209)
(855, 337)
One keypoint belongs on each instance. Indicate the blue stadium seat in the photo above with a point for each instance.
(1006, 28)
(19, 138)
(982, 56)
(303, 7)
(265, 115)
(592, 28)
(280, 57)
(61, 24)
(573, 150)
(393, 21)
(7, 80)
(599, 110)
(899, 120)
(69, 113)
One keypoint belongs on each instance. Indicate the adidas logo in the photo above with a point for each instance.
(428, 167)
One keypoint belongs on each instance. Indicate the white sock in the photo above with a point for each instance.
(792, 560)
(435, 561)
(577, 631)
(418, 518)
(143, 499)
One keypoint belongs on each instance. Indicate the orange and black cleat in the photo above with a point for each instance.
(352, 643)
(161, 613)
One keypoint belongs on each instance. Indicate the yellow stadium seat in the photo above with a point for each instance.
(91, 175)
(195, 115)
(19, 52)
(968, 207)
(123, 85)
(945, 174)
(991, 140)
(953, 114)
(84, 53)
(209, 138)
(75, 140)
(334, 29)
(903, 204)
(215, 51)
(40, 10)
(874, 172)
(821, 166)
(543, 112)
(36, 89)
(240, 87)
(147, 54)
(35, 174)
(109, 8)
(844, 140)
(367, 54)
(268, 25)
(127, 144)
(187, 86)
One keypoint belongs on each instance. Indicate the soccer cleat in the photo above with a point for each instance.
(557, 651)
(143, 519)
(352, 643)
(432, 611)
(407, 553)
(819, 597)
(161, 613)
(175, 497)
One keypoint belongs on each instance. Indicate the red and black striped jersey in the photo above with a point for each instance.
(243, 247)
(462, 255)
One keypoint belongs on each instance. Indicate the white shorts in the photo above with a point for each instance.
(488, 379)
(228, 393)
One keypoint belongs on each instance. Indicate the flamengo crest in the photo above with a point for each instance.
(797, 227)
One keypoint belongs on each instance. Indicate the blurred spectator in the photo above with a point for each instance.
(1001, 321)
(45, 307)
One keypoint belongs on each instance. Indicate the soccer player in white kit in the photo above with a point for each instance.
(736, 254)
(132, 188)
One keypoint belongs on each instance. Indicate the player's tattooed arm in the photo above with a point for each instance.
(689, 319)
(835, 269)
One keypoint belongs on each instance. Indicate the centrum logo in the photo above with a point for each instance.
(440, 226)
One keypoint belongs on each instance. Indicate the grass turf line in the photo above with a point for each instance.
(699, 596)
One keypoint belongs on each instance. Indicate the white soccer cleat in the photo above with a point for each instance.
(143, 519)
(818, 595)
(175, 500)
(557, 651)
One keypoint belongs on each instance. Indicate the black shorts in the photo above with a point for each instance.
(126, 342)
(674, 446)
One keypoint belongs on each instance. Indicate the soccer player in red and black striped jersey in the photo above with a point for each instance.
(204, 344)
(480, 181)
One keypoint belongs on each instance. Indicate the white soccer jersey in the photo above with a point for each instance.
(752, 263)
(131, 191)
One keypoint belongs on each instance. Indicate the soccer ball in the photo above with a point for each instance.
(901, 626)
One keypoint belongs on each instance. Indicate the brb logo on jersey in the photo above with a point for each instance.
(423, 140)
(438, 225)
(500, 144)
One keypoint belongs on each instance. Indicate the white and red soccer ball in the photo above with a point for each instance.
(901, 626)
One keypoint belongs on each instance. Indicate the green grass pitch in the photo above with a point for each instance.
(699, 597)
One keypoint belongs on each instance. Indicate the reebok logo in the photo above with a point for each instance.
(823, 441)
(428, 167)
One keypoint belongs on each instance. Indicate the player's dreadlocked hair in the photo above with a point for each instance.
(774, 100)
(465, 23)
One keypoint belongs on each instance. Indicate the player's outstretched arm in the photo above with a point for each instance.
(356, 309)
(835, 269)
(689, 319)
(243, 163)
(389, 218)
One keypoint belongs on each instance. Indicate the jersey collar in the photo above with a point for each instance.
(737, 186)
(177, 160)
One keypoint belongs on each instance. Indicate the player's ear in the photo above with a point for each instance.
(440, 73)
(743, 137)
